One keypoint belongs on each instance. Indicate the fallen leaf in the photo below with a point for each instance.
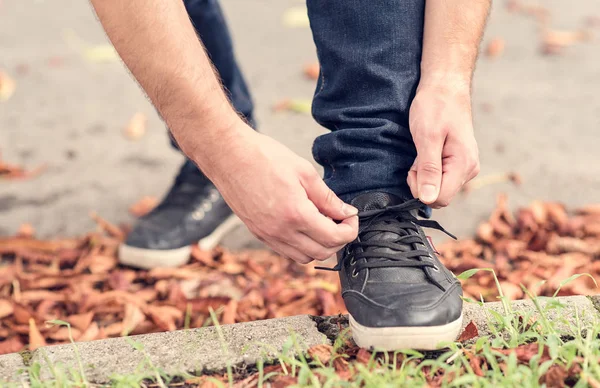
(284, 381)
(22, 314)
(555, 41)
(143, 206)
(555, 377)
(495, 48)
(91, 333)
(7, 86)
(475, 363)
(81, 321)
(293, 105)
(321, 353)
(26, 231)
(6, 308)
(229, 313)
(312, 70)
(62, 334)
(469, 332)
(111, 229)
(136, 128)
(36, 340)
(133, 317)
(511, 291)
(11, 345)
(363, 356)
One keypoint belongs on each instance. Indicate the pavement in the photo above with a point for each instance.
(536, 115)
(241, 345)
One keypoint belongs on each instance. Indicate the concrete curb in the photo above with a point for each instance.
(197, 350)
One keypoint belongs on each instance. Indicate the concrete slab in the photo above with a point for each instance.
(202, 349)
(565, 319)
(184, 350)
(12, 369)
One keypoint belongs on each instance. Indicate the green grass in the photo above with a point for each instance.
(545, 353)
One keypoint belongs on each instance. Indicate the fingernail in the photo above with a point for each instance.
(349, 211)
(427, 193)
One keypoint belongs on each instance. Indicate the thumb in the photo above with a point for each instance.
(326, 201)
(429, 170)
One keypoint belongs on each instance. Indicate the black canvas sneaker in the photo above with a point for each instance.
(192, 212)
(398, 293)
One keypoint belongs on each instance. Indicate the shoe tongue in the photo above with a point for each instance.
(374, 201)
(381, 200)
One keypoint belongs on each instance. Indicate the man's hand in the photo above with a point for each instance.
(440, 116)
(277, 194)
(447, 155)
(280, 197)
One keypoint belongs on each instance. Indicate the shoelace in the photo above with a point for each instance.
(374, 221)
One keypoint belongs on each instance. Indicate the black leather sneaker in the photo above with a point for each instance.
(192, 212)
(398, 293)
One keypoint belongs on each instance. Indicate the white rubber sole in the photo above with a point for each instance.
(395, 338)
(152, 258)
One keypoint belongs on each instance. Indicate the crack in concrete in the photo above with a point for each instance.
(331, 326)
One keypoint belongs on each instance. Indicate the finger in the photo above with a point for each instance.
(289, 251)
(411, 179)
(429, 167)
(325, 199)
(325, 231)
(313, 249)
(452, 180)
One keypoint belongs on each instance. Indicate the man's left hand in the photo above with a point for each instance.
(447, 155)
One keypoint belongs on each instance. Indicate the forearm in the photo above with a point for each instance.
(157, 42)
(452, 33)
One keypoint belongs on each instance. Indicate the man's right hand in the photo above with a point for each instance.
(280, 197)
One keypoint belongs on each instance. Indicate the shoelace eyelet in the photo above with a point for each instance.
(435, 268)
(354, 273)
(352, 261)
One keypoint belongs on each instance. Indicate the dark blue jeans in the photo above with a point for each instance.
(370, 54)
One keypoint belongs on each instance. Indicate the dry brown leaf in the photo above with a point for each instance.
(7, 86)
(111, 229)
(555, 41)
(81, 321)
(284, 381)
(363, 356)
(62, 334)
(311, 70)
(163, 321)
(36, 340)
(11, 345)
(91, 333)
(6, 308)
(322, 353)
(22, 314)
(26, 231)
(469, 332)
(114, 329)
(495, 48)
(136, 128)
(143, 206)
(133, 317)
(230, 312)
(511, 290)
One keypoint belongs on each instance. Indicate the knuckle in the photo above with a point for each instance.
(291, 216)
(430, 167)
(322, 255)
